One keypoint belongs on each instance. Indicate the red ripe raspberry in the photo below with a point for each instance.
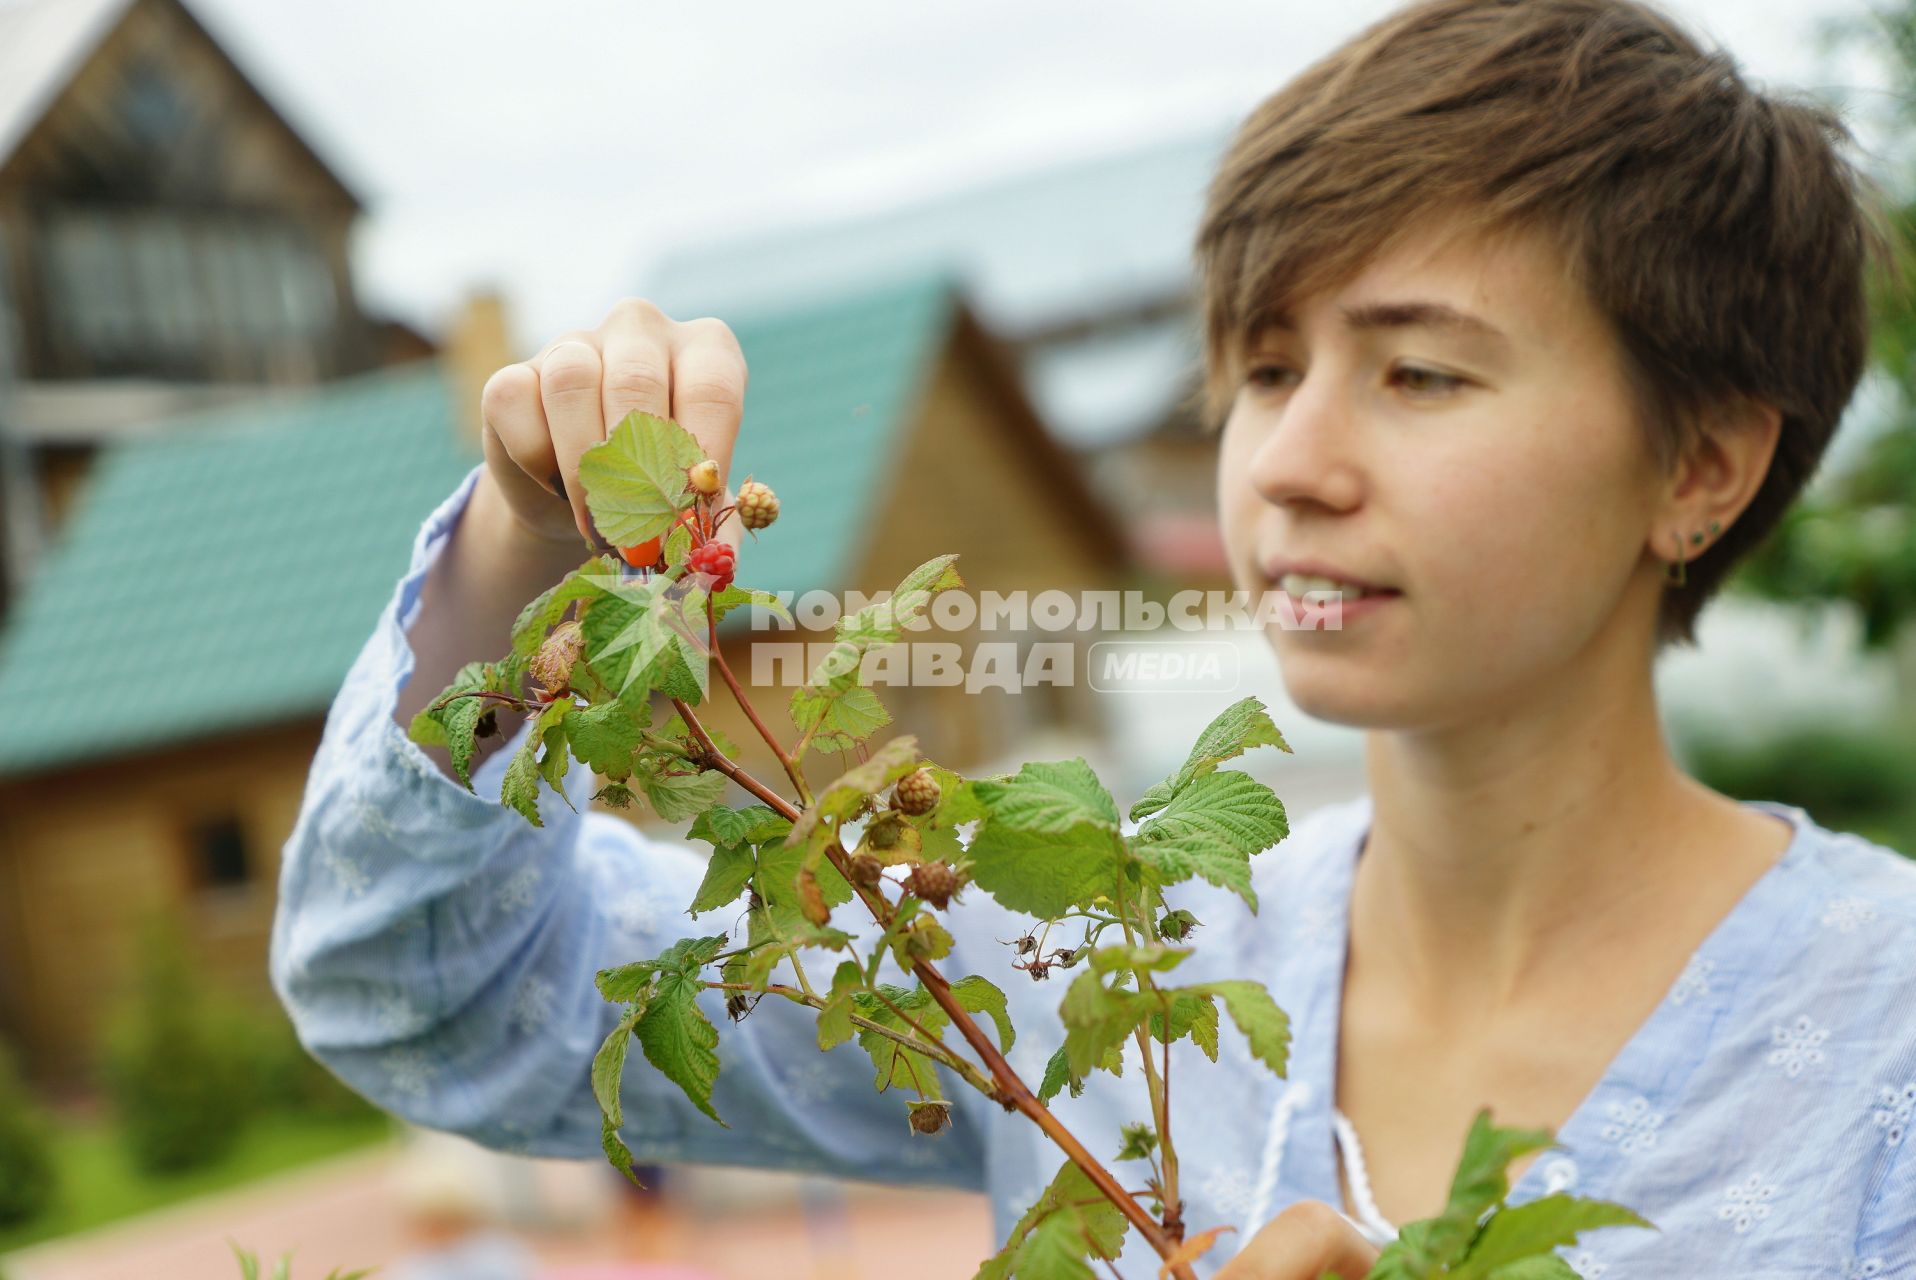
(715, 559)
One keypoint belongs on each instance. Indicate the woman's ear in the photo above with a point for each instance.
(1717, 478)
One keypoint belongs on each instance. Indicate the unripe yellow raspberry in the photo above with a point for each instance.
(757, 504)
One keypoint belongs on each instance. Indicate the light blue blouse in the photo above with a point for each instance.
(438, 952)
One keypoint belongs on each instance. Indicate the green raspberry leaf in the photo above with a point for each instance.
(900, 1067)
(735, 597)
(1097, 1018)
(1210, 828)
(1136, 1142)
(726, 876)
(605, 737)
(1093, 1227)
(835, 1019)
(1050, 798)
(1238, 728)
(675, 791)
(616, 1151)
(977, 995)
(635, 481)
(585, 583)
(649, 634)
(608, 1068)
(1526, 1232)
(520, 789)
(1264, 1025)
(837, 718)
(1045, 875)
(677, 1037)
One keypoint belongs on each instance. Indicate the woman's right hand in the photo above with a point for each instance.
(542, 414)
(1306, 1241)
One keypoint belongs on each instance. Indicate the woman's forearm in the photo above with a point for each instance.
(491, 567)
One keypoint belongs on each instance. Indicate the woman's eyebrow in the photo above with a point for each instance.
(1440, 316)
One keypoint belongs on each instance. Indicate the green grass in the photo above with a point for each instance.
(98, 1183)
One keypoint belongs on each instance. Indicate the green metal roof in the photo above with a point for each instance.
(223, 572)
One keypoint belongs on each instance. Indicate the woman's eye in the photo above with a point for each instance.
(1425, 381)
(1270, 376)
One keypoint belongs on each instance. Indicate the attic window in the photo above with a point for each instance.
(151, 104)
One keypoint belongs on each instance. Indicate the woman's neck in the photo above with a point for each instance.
(1505, 853)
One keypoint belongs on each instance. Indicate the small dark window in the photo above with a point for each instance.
(219, 854)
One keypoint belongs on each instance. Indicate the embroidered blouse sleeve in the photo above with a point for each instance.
(438, 953)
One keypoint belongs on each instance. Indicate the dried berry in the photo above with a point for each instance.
(930, 1117)
(552, 665)
(867, 871)
(811, 899)
(757, 505)
(487, 725)
(935, 882)
(704, 476)
(916, 793)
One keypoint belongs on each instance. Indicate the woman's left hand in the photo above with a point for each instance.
(1304, 1242)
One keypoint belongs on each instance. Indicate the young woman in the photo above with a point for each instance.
(1524, 321)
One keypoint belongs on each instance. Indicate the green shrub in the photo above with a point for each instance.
(1848, 781)
(27, 1178)
(180, 1083)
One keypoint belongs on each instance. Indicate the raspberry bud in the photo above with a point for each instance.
(552, 665)
(705, 476)
(926, 939)
(930, 1117)
(916, 793)
(757, 505)
(934, 882)
(867, 871)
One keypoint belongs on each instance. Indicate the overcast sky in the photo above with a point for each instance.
(556, 150)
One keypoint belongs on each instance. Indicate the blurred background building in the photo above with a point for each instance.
(214, 455)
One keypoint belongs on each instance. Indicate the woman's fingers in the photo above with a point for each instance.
(569, 378)
(1304, 1242)
(708, 386)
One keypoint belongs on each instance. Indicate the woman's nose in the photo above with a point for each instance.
(1307, 450)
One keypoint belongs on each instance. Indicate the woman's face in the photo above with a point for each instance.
(1454, 423)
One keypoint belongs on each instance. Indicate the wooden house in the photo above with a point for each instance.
(168, 243)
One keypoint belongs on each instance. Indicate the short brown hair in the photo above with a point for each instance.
(1722, 231)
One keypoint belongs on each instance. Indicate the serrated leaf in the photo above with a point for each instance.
(1191, 1014)
(520, 788)
(678, 794)
(837, 718)
(649, 634)
(616, 1151)
(1098, 1228)
(608, 1068)
(679, 1040)
(1136, 1142)
(1515, 1234)
(835, 1019)
(736, 597)
(605, 737)
(898, 1066)
(452, 725)
(1097, 1018)
(1045, 875)
(1265, 1026)
(1048, 797)
(755, 824)
(1210, 828)
(1238, 728)
(977, 995)
(635, 481)
(882, 623)
(1057, 1074)
(586, 583)
(1055, 1249)
(726, 876)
